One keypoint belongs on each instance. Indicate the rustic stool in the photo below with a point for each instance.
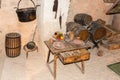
(29, 50)
(75, 56)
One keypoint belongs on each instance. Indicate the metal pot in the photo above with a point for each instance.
(26, 14)
(31, 45)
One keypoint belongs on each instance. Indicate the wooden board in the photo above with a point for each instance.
(111, 45)
(109, 1)
(115, 9)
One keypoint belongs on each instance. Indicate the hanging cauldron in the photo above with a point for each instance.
(26, 14)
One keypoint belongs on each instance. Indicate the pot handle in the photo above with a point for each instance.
(21, 0)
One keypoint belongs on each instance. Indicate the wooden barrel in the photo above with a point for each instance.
(83, 19)
(97, 31)
(13, 44)
(72, 26)
(78, 30)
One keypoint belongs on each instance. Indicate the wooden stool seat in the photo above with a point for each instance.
(29, 50)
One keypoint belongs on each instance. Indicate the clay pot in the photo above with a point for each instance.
(100, 53)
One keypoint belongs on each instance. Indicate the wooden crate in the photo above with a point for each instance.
(112, 45)
(74, 56)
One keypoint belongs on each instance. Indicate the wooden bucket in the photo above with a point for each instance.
(97, 31)
(83, 19)
(78, 30)
(13, 44)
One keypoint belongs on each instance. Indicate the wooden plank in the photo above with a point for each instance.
(109, 27)
(115, 9)
(112, 45)
(109, 1)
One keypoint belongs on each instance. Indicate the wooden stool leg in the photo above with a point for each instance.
(55, 64)
(26, 54)
(48, 56)
(37, 49)
(83, 66)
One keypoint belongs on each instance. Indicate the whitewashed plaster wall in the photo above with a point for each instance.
(47, 23)
(95, 8)
(50, 24)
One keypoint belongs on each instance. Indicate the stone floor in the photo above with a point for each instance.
(35, 67)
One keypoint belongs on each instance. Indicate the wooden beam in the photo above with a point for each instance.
(115, 9)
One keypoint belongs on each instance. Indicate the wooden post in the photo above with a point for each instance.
(48, 56)
(83, 67)
(55, 64)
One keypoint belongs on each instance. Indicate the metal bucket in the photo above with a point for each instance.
(83, 19)
(31, 45)
(13, 44)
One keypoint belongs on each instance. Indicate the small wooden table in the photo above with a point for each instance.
(68, 47)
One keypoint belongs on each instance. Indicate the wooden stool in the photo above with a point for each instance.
(29, 50)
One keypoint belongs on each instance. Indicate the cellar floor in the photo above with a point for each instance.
(35, 67)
